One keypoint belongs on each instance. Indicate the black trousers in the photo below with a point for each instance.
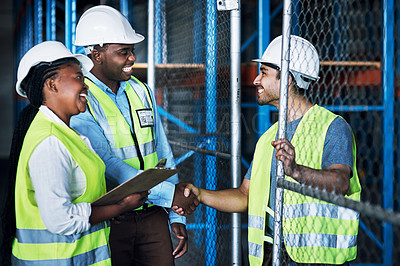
(141, 238)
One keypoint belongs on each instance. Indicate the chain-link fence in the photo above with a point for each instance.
(193, 89)
(359, 69)
(356, 41)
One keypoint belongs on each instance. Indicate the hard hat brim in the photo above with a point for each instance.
(100, 41)
(86, 65)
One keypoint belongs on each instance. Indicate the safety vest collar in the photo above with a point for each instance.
(136, 145)
(314, 124)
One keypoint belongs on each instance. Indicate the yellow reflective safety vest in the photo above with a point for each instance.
(33, 243)
(314, 231)
(136, 147)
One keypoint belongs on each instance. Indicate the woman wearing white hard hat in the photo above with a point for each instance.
(55, 171)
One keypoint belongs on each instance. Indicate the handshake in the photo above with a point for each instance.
(186, 198)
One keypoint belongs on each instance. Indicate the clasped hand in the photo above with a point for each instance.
(184, 201)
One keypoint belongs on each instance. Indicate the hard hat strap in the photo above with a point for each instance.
(88, 49)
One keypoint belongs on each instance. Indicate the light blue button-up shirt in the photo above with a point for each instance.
(117, 171)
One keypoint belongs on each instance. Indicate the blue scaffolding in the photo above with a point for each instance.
(29, 18)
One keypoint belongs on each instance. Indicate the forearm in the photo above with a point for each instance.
(229, 200)
(330, 179)
(103, 213)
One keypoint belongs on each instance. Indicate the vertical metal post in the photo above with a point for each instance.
(283, 99)
(264, 31)
(236, 129)
(70, 23)
(197, 32)
(38, 25)
(211, 125)
(73, 24)
(50, 20)
(67, 26)
(158, 32)
(151, 69)
(198, 46)
(28, 40)
(388, 124)
(124, 8)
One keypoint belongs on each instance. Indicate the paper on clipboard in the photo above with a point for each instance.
(141, 182)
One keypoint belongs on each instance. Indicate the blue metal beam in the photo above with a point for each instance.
(38, 25)
(124, 8)
(388, 124)
(211, 126)
(371, 234)
(264, 31)
(70, 23)
(176, 120)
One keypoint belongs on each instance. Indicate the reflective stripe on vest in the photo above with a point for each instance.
(310, 226)
(43, 236)
(321, 210)
(259, 197)
(34, 244)
(116, 128)
(318, 240)
(97, 256)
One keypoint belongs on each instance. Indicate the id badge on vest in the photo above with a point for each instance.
(145, 117)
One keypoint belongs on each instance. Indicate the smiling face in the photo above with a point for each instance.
(267, 85)
(114, 64)
(65, 93)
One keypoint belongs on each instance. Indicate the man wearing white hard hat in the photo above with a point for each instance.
(125, 129)
(55, 174)
(311, 227)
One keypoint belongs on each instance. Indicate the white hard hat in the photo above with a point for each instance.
(47, 51)
(104, 24)
(304, 60)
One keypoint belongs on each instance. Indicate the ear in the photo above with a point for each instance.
(97, 57)
(50, 85)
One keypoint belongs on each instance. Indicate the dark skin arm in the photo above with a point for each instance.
(181, 233)
(187, 203)
(335, 178)
(130, 202)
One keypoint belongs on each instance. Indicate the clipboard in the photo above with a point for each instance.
(141, 182)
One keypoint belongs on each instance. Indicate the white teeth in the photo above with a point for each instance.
(83, 95)
(127, 69)
(259, 91)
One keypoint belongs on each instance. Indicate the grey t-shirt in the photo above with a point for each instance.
(338, 149)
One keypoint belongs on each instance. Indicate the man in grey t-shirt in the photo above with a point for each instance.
(317, 138)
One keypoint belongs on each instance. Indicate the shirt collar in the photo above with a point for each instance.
(51, 115)
(102, 86)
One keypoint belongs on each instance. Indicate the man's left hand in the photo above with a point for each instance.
(180, 232)
(285, 153)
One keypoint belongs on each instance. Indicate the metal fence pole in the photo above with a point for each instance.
(151, 69)
(235, 129)
(211, 126)
(264, 32)
(124, 8)
(50, 20)
(38, 16)
(388, 123)
(283, 98)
